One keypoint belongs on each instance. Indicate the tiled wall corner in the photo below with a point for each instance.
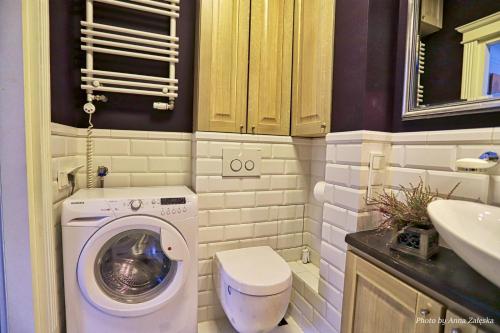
(66, 153)
(307, 306)
(345, 210)
(314, 209)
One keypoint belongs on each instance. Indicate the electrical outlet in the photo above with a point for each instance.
(62, 180)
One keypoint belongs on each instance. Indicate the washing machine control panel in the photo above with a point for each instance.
(161, 206)
(171, 206)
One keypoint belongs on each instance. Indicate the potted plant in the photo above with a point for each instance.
(405, 214)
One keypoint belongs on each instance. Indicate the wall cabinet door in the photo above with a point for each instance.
(375, 301)
(431, 16)
(270, 72)
(312, 67)
(222, 65)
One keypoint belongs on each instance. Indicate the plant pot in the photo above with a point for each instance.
(423, 243)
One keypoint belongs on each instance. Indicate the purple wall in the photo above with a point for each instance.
(447, 123)
(369, 70)
(363, 78)
(443, 60)
(122, 111)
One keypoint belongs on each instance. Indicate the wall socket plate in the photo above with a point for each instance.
(241, 162)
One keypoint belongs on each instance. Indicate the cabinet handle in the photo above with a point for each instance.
(424, 312)
(455, 330)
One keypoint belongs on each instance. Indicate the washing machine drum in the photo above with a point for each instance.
(133, 265)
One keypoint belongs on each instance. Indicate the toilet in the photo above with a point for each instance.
(254, 286)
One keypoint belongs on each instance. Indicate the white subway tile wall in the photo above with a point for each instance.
(275, 209)
(278, 209)
(133, 158)
(66, 153)
(429, 156)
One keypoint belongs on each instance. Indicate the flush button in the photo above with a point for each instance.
(249, 165)
(236, 165)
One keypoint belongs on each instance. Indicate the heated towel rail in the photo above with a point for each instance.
(121, 41)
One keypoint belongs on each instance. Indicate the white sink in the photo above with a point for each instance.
(472, 230)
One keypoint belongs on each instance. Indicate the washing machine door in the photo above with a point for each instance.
(133, 265)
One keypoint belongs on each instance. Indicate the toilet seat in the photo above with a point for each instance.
(256, 271)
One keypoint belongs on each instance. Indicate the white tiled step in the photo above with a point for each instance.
(223, 326)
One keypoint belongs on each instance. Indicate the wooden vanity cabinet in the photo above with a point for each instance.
(374, 301)
(456, 324)
(264, 67)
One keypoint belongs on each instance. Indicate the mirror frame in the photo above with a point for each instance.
(410, 110)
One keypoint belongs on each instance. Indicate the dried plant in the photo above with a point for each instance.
(412, 211)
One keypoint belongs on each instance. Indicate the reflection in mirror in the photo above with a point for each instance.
(452, 57)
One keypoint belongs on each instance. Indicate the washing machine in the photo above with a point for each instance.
(130, 260)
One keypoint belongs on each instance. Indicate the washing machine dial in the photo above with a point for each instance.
(135, 204)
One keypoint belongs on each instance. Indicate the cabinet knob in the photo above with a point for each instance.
(455, 330)
(424, 312)
(323, 126)
(253, 129)
(241, 128)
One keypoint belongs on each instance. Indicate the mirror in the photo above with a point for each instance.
(452, 58)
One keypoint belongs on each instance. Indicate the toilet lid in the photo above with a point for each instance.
(257, 271)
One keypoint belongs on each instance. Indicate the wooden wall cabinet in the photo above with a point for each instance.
(312, 67)
(283, 49)
(375, 301)
(431, 16)
(270, 74)
(222, 65)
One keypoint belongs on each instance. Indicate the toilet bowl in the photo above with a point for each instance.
(254, 287)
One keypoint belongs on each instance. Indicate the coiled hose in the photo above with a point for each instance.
(90, 155)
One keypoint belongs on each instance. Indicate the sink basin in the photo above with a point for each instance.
(472, 230)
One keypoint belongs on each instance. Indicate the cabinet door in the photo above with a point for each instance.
(375, 301)
(312, 67)
(431, 16)
(270, 76)
(222, 65)
(457, 324)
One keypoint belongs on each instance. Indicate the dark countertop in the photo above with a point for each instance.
(445, 274)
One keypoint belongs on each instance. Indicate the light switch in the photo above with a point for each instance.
(377, 162)
(375, 176)
(241, 162)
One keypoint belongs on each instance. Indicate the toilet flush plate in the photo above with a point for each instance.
(241, 162)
